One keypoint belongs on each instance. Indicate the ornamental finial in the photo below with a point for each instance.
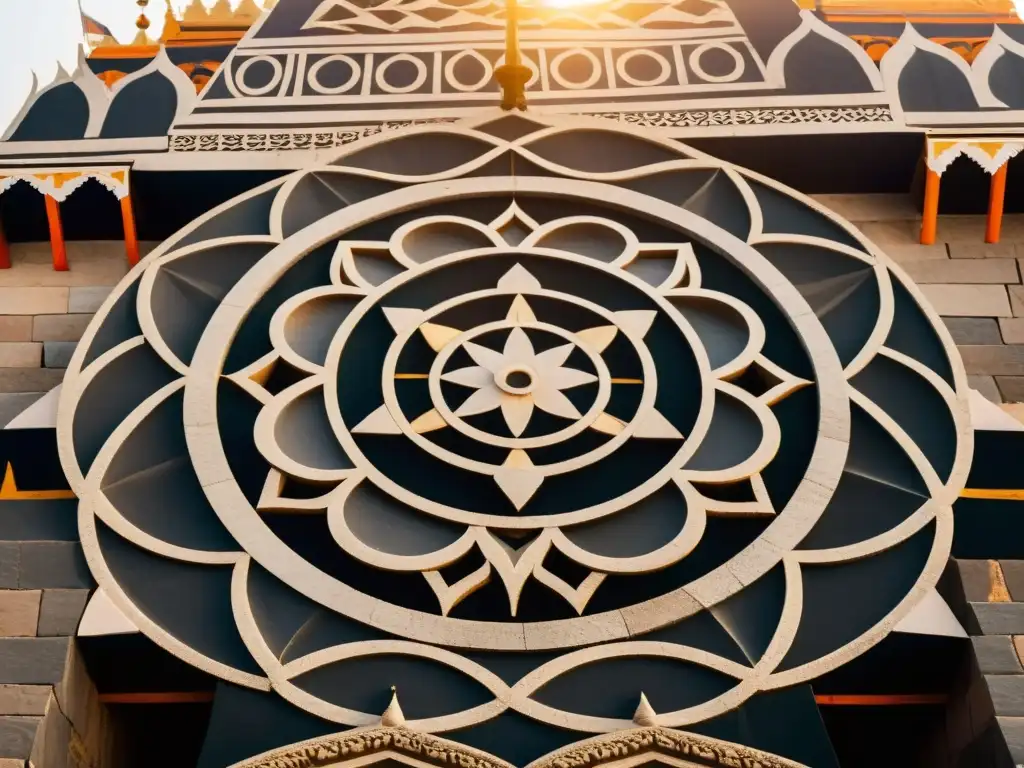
(645, 716)
(393, 716)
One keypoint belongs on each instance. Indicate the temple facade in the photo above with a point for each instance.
(671, 414)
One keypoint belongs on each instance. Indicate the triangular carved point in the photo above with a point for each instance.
(393, 716)
(520, 311)
(518, 479)
(519, 279)
(636, 321)
(380, 422)
(657, 427)
(645, 716)
(438, 335)
(402, 318)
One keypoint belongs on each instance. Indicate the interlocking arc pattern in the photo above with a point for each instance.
(398, 410)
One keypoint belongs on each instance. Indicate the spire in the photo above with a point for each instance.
(195, 11)
(393, 716)
(142, 24)
(171, 26)
(645, 716)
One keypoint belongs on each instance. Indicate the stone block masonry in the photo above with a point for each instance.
(50, 712)
(44, 313)
(975, 286)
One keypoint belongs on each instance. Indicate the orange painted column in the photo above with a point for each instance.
(996, 196)
(57, 247)
(131, 239)
(5, 249)
(930, 218)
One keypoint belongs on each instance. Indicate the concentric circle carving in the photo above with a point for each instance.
(466, 412)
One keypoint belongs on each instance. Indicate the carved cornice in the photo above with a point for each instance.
(606, 750)
(340, 748)
(692, 748)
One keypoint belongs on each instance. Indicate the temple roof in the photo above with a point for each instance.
(314, 74)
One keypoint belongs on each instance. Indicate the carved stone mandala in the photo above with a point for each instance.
(641, 418)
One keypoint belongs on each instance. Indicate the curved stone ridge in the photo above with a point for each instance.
(610, 749)
(729, 411)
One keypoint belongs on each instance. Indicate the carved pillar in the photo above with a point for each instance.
(131, 240)
(996, 196)
(57, 247)
(930, 218)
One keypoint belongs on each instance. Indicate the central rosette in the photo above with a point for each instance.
(505, 397)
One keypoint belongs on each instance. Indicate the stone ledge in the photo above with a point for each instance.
(993, 360)
(19, 612)
(973, 330)
(60, 611)
(17, 734)
(55, 565)
(15, 328)
(996, 655)
(29, 379)
(997, 618)
(20, 354)
(33, 660)
(59, 327)
(33, 301)
(963, 272)
(952, 300)
(1007, 693)
(23, 699)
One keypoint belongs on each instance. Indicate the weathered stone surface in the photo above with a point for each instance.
(13, 403)
(19, 612)
(996, 655)
(57, 354)
(96, 262)
(33, 660)
(973, 330)
(10, 564)
(33, 301)
(53, 565)
(15, 328)
(978, 580)
(1013, 575)
(29, 379)
(23, 699)
(905, 254)
(20, 354)
(982, 250)
(1016, 293)
(59, 327)
(1007, 693)
(999, 618)
(1011, 329)
(61, 611)
(1013, 732)
(986, 385)
(961, 271)
(993, 360)
(1011, 388)
(17, 735)
(87, 299)
(968, 300)
(53, 740)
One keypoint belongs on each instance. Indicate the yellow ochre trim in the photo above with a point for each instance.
(9, 490)
(1013, 494)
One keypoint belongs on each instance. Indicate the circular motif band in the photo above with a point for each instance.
(551, 389)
